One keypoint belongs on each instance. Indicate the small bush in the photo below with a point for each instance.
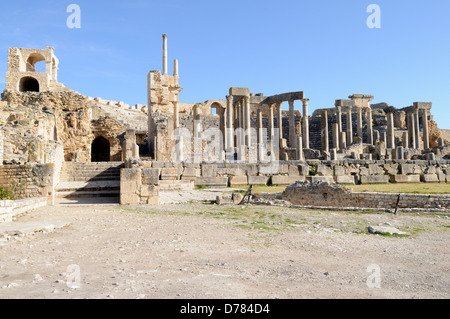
(5, 194)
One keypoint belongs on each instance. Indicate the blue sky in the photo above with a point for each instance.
(321, 47)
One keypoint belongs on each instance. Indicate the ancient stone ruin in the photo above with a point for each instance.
(55, 142)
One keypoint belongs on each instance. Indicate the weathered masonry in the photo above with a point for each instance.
(240, 138)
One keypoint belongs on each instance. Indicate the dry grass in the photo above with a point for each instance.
(414, 188)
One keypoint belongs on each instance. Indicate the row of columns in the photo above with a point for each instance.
(413, 125)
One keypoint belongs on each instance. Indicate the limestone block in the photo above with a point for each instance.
(447, 178)
(329, 179)
(212, 181)
(286, 180)
(169, 173)
(391, 168)
(408, 169)
(235, 171)
(258, 180)
(375, 179)
(191, 172)
(293, 170)
(429, 178)
(209, 170)
(406, 178)
(375, 169)
(149, 195)
(345, 179)
(150, 176)
(324, 170)
(238, 180)
(339, 171)
(363, 171)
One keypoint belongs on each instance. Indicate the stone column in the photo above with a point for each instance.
(324, 131)
(390, 131)
(349, 126)
(359, 123)
(411, 134)
(405, 140)
(343, 140)
(417, 129)
(369, 126)
(339, 118)
(196, 121)
(305, 124)
(248, 126)
(260, 134)
(292, 141)
(280, 121)
(336, 136)
(426, 136)
(164, 54)
(299, 149)
(175, 67)
(176, 116)
(230, 113)
(271, 123)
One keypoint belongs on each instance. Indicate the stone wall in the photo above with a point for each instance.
(27, 181)
(324, 194)
(288, 172)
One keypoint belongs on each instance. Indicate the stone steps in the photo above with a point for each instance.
(89, 180)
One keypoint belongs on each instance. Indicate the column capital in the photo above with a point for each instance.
(229, 98)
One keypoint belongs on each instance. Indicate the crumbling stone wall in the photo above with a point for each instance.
(27, 181)
(325, 194)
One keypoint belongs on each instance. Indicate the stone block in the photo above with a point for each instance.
(150, 176)
(286, 180)
(209, 170)
(251, 169)
(240, 91)
(258, 180)
(293, 170)
(212, 181)
(238, 180)
(406, 178)
(321, 179)
(190, 173)
(339, 171)
(324, 170)
(169, 173)
(429, 178)
(375, 179)
(345, 179)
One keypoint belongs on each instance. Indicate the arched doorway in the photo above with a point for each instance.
(100, 150)
(28, 84)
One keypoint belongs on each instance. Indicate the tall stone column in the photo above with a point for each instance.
(196, 122)
(411, 130)
(271, 122)
(248, 126)
(176, 116)
(165, 54)
(305, 124)
(324, 131)
(349, 126)
(426, 136)
(261, 145)
(292, 140)
(339, 118)
(359, 123)
(369, 126)
(390, 131)
(230, 130)
(280, 121)
(417, 129)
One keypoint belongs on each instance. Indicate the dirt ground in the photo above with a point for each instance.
(199, 250)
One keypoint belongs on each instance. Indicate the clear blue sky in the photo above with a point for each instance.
(321, 47)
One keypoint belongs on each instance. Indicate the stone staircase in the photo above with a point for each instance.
(89, 180)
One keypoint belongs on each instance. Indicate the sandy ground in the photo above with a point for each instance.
(198, 250)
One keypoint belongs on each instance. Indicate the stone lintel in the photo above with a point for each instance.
(240, 91)
(284, 97)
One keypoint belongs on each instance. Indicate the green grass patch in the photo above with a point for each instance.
(412, 188)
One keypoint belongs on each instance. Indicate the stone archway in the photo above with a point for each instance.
(100, 150)
(28, 84)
